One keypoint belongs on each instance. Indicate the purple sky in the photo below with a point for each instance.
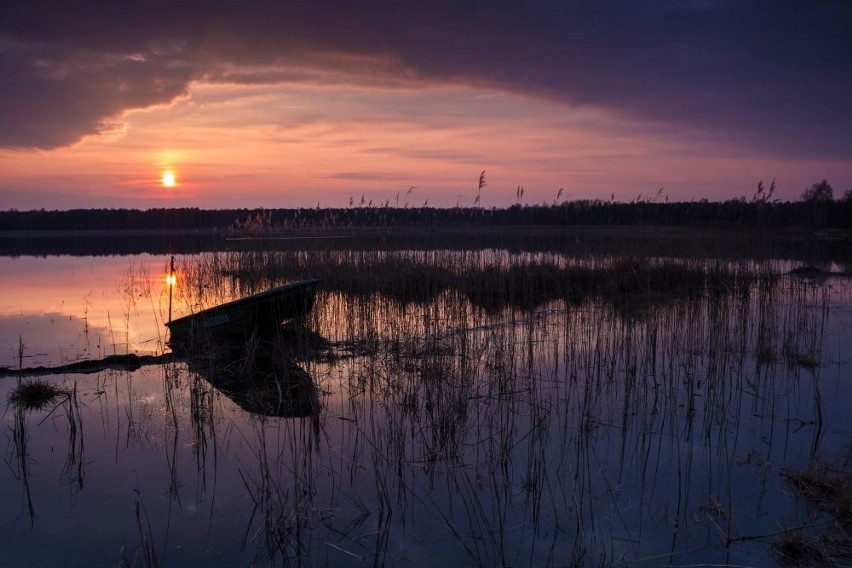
(275, 104)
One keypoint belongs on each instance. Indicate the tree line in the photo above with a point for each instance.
(816, 209)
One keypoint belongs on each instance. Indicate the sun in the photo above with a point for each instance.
(169, 179)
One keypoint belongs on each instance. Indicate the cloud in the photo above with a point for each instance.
(767, 76)
(366, 176)
(52, 96)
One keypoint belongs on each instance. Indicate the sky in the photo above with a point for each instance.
(273, 103)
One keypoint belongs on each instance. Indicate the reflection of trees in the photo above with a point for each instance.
(191, 231)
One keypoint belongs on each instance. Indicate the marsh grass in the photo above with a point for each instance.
(32, 396)
(826, 488)
(827, 541)
(35, 395)
(489, 279)
(501, 408)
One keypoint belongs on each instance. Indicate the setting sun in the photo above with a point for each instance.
(169, 179)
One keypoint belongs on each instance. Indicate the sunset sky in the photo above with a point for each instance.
(288, 104)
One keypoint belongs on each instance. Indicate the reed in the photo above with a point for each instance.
(21, 465)
(486, 278)
(503, 407)
(74, 467)
(147, 548)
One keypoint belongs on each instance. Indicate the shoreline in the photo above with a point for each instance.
(801, 243)
(646, 230)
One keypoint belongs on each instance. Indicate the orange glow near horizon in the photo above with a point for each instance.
(307, 145)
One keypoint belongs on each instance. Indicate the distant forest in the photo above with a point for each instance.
(757, 213)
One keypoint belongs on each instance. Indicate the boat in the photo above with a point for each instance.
(261, 314)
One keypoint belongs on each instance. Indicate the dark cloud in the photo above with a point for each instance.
(771, 76)
(53, 95)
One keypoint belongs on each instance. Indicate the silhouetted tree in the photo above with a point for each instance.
(821, 191)
(816, 197)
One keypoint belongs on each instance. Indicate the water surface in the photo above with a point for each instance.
(430, 429)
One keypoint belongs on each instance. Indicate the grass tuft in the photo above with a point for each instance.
(34, 395)
(828, 490)
(798, 549)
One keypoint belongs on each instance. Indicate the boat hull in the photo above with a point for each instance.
(261, 313)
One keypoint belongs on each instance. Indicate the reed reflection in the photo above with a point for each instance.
(490, 410)
(265, 377)
(40, 398)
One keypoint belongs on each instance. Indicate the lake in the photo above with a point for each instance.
(458, 406)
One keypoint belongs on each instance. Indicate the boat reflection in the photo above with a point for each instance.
(261, 378)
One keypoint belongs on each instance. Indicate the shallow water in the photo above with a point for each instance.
(436, 433)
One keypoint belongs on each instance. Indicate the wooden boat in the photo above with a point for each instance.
(261, 313)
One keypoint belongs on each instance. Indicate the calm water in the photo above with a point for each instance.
(437, 432)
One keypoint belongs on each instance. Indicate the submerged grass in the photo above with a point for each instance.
(484, 388)
(826, 488)
(492, 408)
(35, 394)
(827, 540)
